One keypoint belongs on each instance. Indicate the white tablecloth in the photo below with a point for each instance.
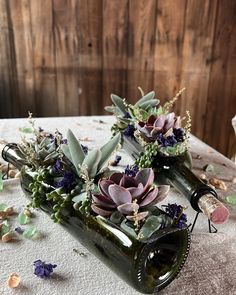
(210, 268)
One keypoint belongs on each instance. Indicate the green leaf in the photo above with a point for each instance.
(108, 149)
(145, 98)
(91, 162)
(128, 229)
(150, 103)
(231, 199)
(152, 224)
(118, 102)
(76, 151)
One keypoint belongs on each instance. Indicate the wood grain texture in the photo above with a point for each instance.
(65, 57)
(221, 104)
(115, 48)
(141, 45)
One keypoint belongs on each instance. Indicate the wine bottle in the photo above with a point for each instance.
(147, 266)
(176, 171)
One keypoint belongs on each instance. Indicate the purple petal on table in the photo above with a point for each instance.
(103, 201)
(159, 122)
(139, 216)
(146, 177)
(100, 211)
(119, 195)
(116, 177)
(149, 197)
(128, 208)
(136, 192)
(127, 181)
(103, 186)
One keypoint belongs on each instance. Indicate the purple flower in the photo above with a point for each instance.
(42, 269)
(67, 181)
(57, 167)
(41, 129)
(131, 170)
(127, 115)
(176, 213)
(129, 131)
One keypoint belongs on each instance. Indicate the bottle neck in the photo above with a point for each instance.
(12, 154)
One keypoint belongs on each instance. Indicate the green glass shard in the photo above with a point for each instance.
(231, 199)
(26, 129)
(3, 207)
(5, 228)
(22, 218)
(30, 232)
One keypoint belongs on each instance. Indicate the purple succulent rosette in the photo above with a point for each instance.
(164, 129)
(128, 195)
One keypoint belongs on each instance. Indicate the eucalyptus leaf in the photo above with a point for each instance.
(118, 101)
(91, 162)
(108, 149)
(76, 151)
(145, 98)
(128, 229)
(151, 225)
(149, 103)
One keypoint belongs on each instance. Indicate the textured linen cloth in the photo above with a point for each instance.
(209, 269)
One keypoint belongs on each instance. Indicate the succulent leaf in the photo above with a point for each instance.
(150, 103)
(76, 151)
(148, 96)
(66, 151)
(118, 101)
(91, 162)
(108, 149)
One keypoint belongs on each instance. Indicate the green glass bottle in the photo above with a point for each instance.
(176, 171)
(147, 266)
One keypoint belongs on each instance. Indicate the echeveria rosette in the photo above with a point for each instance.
(129, 195)
(165, 132)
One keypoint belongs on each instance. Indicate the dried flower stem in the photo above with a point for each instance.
(169, 104)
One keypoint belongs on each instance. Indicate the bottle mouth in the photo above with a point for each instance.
(162, 260)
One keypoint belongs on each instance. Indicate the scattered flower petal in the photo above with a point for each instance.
(43, 269)
(220, 184)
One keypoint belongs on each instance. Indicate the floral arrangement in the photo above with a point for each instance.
(156, 129)
(73, 177)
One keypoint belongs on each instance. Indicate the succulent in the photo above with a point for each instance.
(128, 194)
(94, 160)
(165, 129)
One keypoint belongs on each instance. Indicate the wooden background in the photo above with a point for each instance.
(65, 57)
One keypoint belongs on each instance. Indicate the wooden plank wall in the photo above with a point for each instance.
(65, 57)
